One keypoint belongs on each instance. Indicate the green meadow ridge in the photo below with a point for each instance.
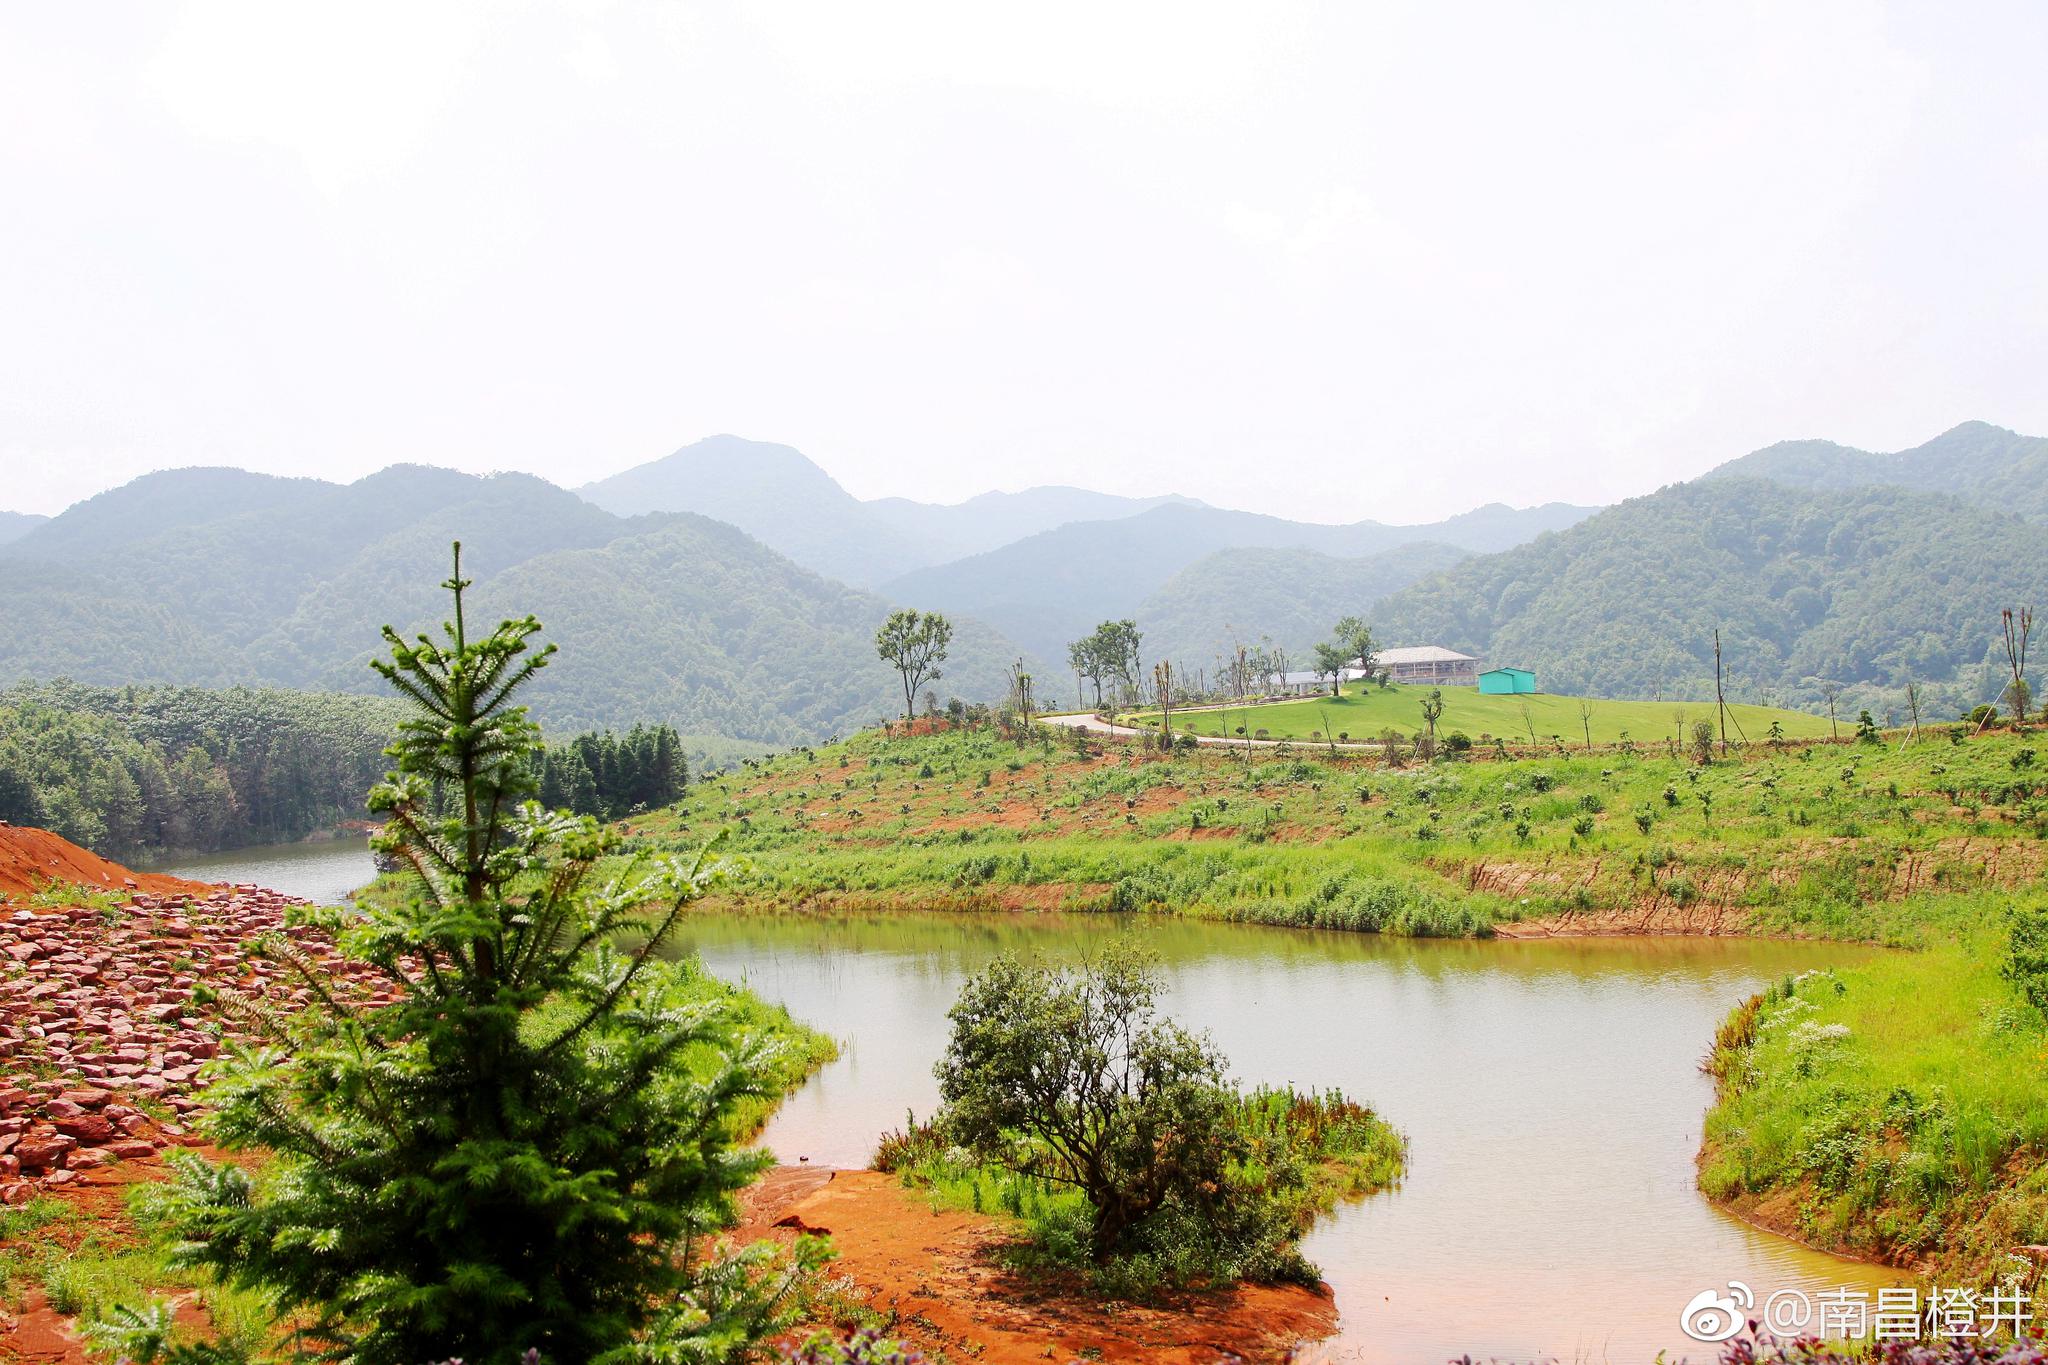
(1896, 1108)
(1364, 712)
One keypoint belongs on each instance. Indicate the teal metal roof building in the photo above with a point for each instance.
(1502, 682)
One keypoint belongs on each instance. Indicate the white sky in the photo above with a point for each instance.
(1362, 260)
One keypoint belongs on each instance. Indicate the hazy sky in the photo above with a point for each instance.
(1362, 260)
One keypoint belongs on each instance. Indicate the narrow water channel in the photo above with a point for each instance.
(1550, 1091)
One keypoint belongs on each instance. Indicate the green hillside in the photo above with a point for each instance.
(1363, 711)
(1976, 462)
(1287, 596)
(242, 578)
(1875, 588)
(15, 525)
(1049, 589)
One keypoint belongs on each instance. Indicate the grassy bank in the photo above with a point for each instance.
(1826, 840)
(1364, 711)
(1896, 1109)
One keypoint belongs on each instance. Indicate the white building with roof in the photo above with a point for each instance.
(1432, 664)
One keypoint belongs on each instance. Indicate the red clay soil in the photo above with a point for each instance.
(939, 1275)
(36, 1334)
(31, 859)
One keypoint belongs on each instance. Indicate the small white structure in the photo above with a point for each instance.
(1429, 664)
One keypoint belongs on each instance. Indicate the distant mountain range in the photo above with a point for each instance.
(15, 525)
(1281, 600)
(1873, 587)
(1050, 588)
(706, 589)
(1976, 462)
(219, 576)
(778, 496)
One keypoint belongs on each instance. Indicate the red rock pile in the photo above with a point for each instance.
(104, 1024)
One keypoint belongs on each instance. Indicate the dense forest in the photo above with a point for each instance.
(610, 775)
(1977, 462)
(1871, 588)
(149, 769)
(127, 769)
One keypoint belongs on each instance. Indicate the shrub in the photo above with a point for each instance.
(1702, 741)
(2026, 959)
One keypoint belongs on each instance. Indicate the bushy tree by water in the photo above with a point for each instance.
(524, 1150)
(1071, 1076)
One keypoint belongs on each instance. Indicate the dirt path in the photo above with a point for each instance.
(937, 1275)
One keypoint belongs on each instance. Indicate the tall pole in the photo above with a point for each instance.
(1720, 701)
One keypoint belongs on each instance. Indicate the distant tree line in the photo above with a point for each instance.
(610, 775)
(128, 770)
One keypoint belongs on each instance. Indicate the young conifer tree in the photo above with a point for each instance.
(522, 1151)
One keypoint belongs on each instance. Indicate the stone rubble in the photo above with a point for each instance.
(106, 1026)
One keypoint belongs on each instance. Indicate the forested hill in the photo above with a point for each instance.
(782, 498)
(1051, 588)
(1976, 461)
(1284, 599)
(221, 577)
(15, 525)
(1878, 587)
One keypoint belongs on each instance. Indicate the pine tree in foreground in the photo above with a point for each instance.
(527, 1150)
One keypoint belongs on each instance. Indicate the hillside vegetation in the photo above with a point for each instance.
(128, 769)
(218, 577)
(1286, 596)
(1050, 588)
(1365, 711)
(151, 769)
(1977, 462)
(1876, 588)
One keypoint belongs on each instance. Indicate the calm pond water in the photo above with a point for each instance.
(324, 872)
(1550, 1091)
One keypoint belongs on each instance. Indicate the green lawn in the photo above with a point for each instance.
(1363, 711)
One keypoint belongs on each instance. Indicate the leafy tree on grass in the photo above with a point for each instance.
(1109, 655)
(523, 1150)
(1331, 661)
(1354, 637)
(914, 645)
(1070, 1076)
